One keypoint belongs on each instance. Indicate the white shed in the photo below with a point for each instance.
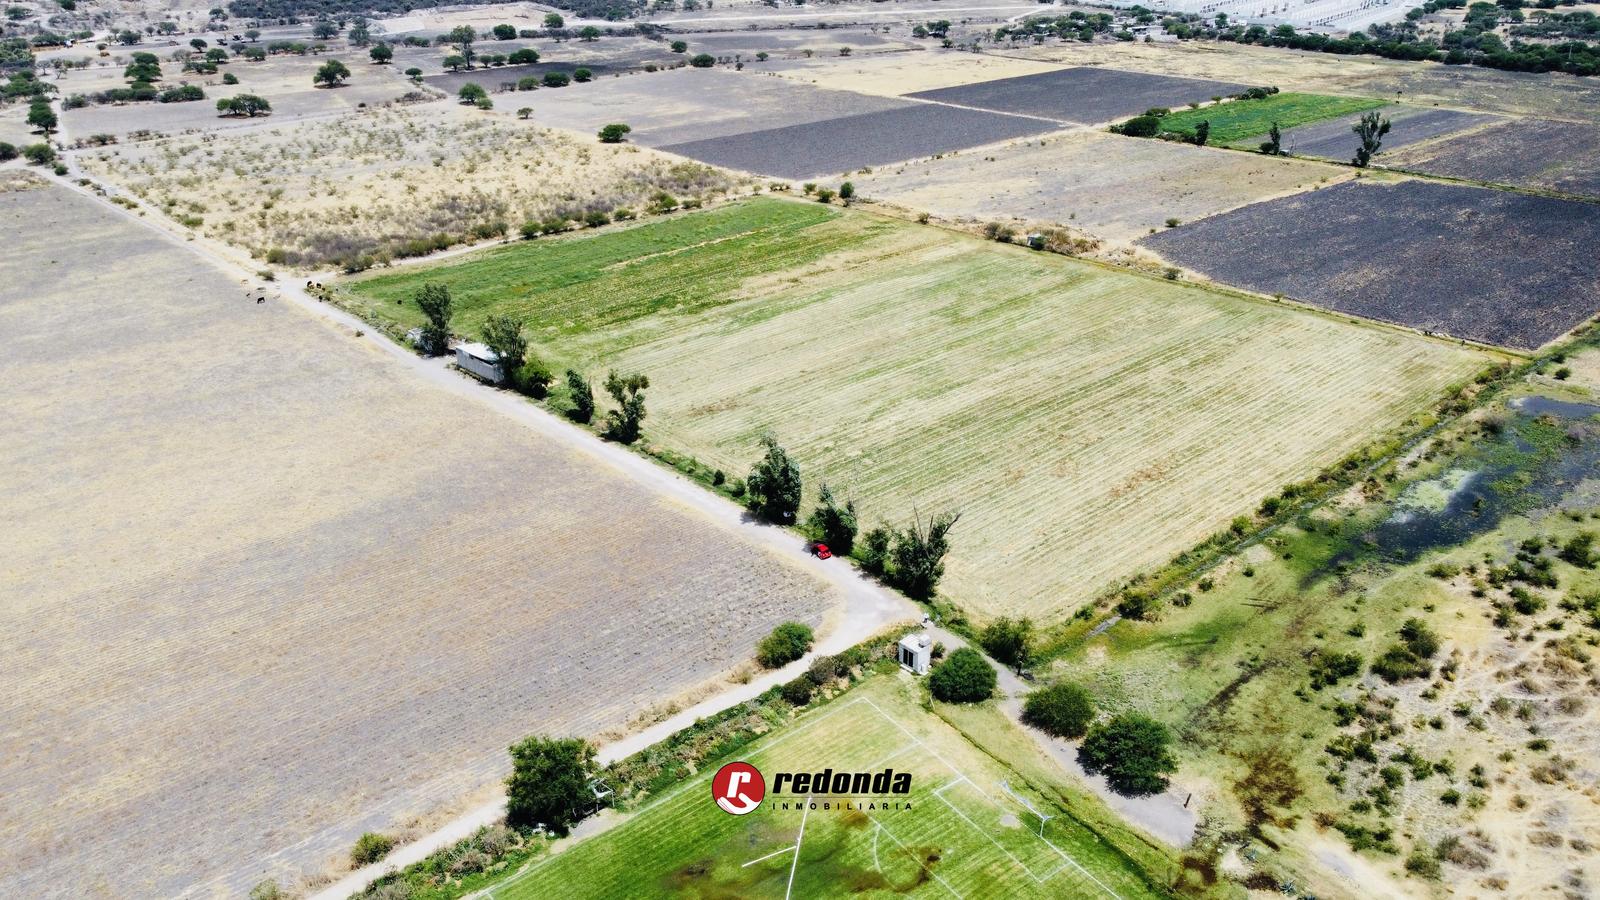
(480, 361)
(915, 653)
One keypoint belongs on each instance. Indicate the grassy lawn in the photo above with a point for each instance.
(967, 828)
(1236, 120)
(1089, 423)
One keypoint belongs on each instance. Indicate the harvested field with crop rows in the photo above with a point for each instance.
(842, 145)
(1507, 269)
(1086, 421)
(1084, 95)
(1063, 179)
(267, 590)
(316, 193)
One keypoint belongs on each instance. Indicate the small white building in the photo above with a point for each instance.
(480, 361)
(915, 653)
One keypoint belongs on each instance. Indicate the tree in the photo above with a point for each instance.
(8, 152)
(524, 112)
(554, 20)
(557, 79)
(472, 92)
(919, 555)
(360, 33)
(248, 105)
(614, 133)
(128, 38)
(964, 677)
(503, 335)
(1009, 640)
(462, 36)
(703, 61)
(504, 32)
(588, 33)
(42, 117)
(324, 29)
(434, 302)
(1132, 750)
(1202, 133)
(833, 524)
(381, 53)
(549, 782)
(1273, 145)
(582, 396)
(847, 192)
(762, 56)
(787, 643)
(1370, 129)
(773, 488)
(333, 73)
(526, 56)
(623, 423)
(1063, 709)
(582, 75)
(875, 551)
(198, 43)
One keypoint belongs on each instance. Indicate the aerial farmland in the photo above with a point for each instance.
(975, 448)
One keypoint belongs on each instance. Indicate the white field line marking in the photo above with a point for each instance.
(767, 857)
(876, 763)
(797, 841)
(950, 784)
(667, 797)
(1059, 852)
(962, 777)
(937, 877)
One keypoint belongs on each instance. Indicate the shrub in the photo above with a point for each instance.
(963, 677)
(582, 75)
(39, 154)
(556, 79)
(1063, 709)
(582, 396)
(798, 691)
(824, 669)
(614, 133)
(787, 643)
(7, 151)
(703, 61)
(1132, 750)
(1328, 668)
(1411, 657)
(1009, 640)
(1139, 126)
(370, 848)
(874, 553)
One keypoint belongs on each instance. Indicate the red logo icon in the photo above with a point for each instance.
(738, 788)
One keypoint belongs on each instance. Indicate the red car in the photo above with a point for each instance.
(822, 551)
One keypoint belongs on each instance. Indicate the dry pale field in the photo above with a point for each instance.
(264, 589)
(1063, 179)
(330, 190)
(898, 74)
(695, 104)
(284, 80)
(1467, 87)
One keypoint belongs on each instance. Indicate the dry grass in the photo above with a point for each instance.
(265, 590)
(325, 192)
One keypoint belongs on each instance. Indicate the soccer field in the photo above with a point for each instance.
(967, 829)
(1089, 423)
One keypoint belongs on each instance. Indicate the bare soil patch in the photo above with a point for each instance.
(1530, 153)
(1502, 268)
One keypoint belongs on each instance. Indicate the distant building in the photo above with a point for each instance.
(915, 653)
(480, 361)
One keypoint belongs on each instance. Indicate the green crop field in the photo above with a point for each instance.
(966, 829)
(1089, 423)
(1239, 119)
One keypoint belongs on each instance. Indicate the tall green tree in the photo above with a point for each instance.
(1063, 709)
(1273, 145)
(773, 488)
(919, 553)
(582, 396)
(332, 73)
(434, 302)
(381, 53)
(1370, 129)
(42, 117)
(833, 524)
(549, 782)
(503, 335)
(463, 37)
(624, 423)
